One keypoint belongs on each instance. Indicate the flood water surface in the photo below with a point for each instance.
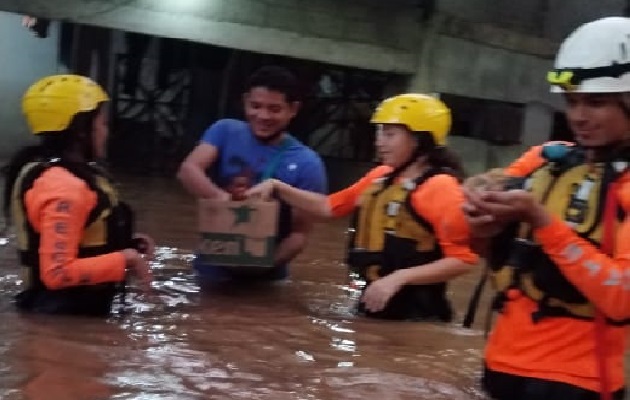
(292, 340)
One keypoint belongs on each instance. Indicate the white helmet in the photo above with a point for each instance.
(595, 58)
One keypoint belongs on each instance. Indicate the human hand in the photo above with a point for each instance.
(508, 206)
(262, 191)
(379, 292)
(222, 195)
(492, 180)
(139, 268)
(482, 224)
(144, 244)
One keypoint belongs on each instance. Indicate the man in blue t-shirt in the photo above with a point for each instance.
(238, 154)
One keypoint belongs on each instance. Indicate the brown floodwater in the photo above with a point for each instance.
(296, 340)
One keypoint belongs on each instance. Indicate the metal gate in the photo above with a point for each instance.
(149, 115)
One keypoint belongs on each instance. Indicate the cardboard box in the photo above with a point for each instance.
(238, 233)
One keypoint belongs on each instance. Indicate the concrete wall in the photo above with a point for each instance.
(521, 16)
(537, 124)
(457, 66)
(24, 60)
(551, 19)
(478, 156)
(566, 15)
(479, 49)
(371, 35)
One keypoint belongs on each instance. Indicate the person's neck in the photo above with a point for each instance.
(414, 170)
(275, 141)
(74, 155)
(590, 156)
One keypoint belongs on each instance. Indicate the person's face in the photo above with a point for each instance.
(268, 112)
(597, 119)
(100, 132)
(395, 144)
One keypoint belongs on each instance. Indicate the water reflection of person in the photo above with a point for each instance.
(55, 362)
(74, 235)
(560, 256)
(411, 235)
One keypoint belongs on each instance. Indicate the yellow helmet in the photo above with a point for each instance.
(50, 103)
(418, 112)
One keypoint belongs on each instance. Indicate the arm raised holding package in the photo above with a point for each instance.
(234, 155)
(410, 235)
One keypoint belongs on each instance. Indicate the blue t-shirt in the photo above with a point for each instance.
(241, 157)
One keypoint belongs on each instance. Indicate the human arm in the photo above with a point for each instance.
(338, 204)
(192, 173)
(296, 240)
(439, 202)
(603, 279)
(193, 170)
(483, 227)
(57, 206)
(312, 180)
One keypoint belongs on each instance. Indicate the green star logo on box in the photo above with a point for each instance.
(242, 214)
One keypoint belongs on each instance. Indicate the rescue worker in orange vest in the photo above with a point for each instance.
(410, 232)
(560, 247)
(74, 235)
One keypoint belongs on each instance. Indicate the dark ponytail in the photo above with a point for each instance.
(442, 157)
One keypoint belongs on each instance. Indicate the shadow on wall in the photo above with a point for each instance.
(477, 155)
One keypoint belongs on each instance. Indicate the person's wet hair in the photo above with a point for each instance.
(440, 156)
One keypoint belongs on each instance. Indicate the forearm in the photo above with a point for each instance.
(60, 220)
(59, 270)
(438, 271)
(197, 182)
(290, 247)
(315, 204)
(601, 279)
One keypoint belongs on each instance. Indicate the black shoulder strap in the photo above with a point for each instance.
(428, 174)
(81, 171)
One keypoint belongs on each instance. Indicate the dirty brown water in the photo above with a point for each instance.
(297, 340)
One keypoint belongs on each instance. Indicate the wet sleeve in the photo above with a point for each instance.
(58, 206)
(439, 201)
(604, 280)
(344, 201)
